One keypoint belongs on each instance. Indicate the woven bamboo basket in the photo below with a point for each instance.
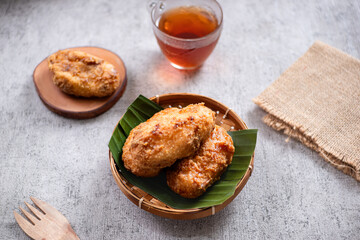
(226, 118)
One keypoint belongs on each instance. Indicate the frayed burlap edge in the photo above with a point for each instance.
(297, 132)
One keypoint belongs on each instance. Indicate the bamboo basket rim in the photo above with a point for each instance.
(167, 211)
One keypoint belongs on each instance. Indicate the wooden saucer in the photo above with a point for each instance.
(77, 107)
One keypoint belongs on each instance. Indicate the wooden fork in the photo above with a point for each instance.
(49, 224)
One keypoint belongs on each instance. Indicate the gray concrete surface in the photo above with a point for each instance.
(292, 194)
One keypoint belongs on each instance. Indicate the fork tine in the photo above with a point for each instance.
(32, 219)
(27, 227)
(39, 204)
(36, 212)
(22, 221)
(49, 210)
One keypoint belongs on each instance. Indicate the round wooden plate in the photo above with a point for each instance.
(147, 202)
(77, 107)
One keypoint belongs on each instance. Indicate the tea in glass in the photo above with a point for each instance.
(187, 34)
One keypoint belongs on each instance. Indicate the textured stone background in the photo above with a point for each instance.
(292, 194)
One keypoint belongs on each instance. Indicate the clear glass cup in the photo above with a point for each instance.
(182, 52)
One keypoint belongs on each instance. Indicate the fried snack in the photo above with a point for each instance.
(82, 74)
(190, 177)
(169, 135)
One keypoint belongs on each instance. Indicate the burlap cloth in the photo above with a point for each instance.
(317, 101)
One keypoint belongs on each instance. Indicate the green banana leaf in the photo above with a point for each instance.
(141, 110)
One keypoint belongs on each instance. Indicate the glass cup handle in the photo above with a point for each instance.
(151, 5)
(154, 3)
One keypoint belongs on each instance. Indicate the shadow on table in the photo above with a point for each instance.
(163, 73)
(204, 227)
(29, 96)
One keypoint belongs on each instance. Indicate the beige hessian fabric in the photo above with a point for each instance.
(317, 101)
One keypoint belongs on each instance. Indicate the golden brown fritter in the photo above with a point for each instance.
(190, 177)
(82, 74)
(169, 135)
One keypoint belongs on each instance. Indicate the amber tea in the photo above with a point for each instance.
(187, 22)
(191, 35)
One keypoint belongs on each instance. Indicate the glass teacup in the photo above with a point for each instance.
(187, 31)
